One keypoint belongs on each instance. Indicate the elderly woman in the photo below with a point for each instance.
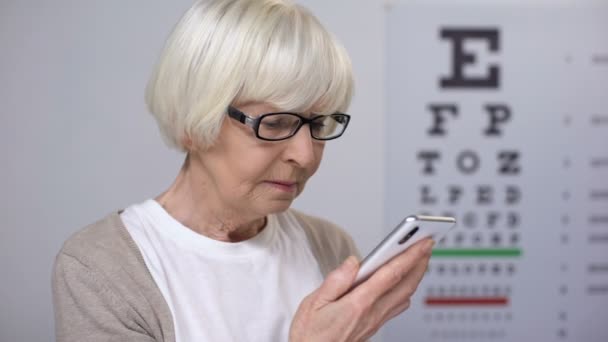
(251, 91)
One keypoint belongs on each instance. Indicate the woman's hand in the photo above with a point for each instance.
(332, 314)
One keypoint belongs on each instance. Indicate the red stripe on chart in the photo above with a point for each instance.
(463, 301)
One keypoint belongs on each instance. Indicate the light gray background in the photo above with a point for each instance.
(77, 143)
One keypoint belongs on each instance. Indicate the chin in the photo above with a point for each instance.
(278, 206)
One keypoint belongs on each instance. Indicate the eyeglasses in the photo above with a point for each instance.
(281, 126)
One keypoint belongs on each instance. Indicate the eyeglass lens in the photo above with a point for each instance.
(283, 125)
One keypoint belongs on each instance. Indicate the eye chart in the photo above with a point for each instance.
(498, 115)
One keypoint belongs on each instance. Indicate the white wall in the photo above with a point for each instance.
(77, 143)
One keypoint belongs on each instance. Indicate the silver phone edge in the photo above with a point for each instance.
(407, 219)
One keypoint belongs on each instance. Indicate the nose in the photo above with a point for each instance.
(301, 148)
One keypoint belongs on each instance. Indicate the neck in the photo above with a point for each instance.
(191, 200)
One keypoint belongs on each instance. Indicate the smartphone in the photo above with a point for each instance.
(411, 230)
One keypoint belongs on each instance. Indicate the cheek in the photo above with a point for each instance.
(249, 169)
(318, 157)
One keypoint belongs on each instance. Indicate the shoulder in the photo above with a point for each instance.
(99, 241)
(100, 280)
(330, 243)
(320, 227)
(105, 250)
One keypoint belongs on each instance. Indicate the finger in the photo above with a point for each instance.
(396, 300)
(397, 310)
(338, 282)
(392, 301)
(391, 274)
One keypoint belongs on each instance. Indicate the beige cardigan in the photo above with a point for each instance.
(103, 291)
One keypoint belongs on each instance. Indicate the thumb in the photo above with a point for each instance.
(339, 281)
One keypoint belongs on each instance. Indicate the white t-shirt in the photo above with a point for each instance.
(221, 291)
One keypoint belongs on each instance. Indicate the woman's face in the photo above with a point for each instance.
(254, 177)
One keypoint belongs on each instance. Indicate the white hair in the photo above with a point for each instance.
(226, 52)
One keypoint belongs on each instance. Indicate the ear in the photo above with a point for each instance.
(187, 144)
(190, 146)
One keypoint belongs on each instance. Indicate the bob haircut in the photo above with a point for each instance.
(230, 52)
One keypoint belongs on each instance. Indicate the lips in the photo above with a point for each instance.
(286, 186)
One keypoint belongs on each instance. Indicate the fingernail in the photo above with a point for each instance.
(350, 262)
(429, 246)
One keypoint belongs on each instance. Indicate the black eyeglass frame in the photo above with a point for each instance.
(254, 123)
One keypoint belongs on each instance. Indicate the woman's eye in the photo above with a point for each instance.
(339, 119)
(275, 124)
(317, 125)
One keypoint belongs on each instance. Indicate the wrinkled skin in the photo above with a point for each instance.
(331, 313)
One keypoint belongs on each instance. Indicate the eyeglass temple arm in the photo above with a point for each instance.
(240, 116)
